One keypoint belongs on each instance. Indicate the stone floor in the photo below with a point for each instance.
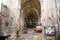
(32, 35)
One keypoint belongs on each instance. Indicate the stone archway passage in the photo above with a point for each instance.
(31, 12)
(30, 21)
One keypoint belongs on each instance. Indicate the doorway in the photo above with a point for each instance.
(31, 21)
(31, 13)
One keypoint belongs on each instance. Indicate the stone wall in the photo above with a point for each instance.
(14, 17)
(4, 20)
(48, 11)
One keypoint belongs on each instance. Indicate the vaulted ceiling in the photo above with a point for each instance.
(31, 6)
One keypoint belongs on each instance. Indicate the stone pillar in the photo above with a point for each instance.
(58, 12)
(15, 17)
(48, 13)
(22, 20)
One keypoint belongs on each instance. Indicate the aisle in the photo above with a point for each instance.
(32, 35)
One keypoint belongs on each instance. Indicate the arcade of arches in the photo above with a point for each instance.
(31, 12)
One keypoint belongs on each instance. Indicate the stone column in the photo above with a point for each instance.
(15, 17)
(48, 13)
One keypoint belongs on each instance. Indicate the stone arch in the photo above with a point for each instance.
(33, 13)
(31, 6)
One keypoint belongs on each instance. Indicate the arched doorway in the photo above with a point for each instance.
(30, 21)
(31, 12)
